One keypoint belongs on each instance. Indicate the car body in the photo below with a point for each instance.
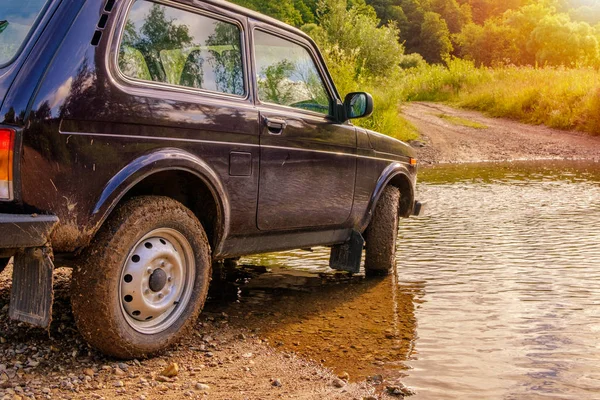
(89, 126)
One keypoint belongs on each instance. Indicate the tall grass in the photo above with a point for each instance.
(560, 98)
(556, 97)
(387, 93)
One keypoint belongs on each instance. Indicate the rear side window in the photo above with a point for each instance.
(17, 20)
(287, 75)
(178, 47)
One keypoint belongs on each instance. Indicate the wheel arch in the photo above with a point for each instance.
(173, 173)
(398, 175)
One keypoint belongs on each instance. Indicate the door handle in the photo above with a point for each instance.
(275, 126)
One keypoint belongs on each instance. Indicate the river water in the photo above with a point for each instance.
(496, 296)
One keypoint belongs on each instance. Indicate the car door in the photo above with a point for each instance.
(307, 159)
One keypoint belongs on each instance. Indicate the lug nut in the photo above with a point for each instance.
(147, 291)
(170, 278)
(160, 295)
(149, 270)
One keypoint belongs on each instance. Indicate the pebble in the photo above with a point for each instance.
(118, 384)
(202, 386)
(171, 370)
(88, 372)
(276, 382)
(119, 372)
(400, 389)
(338, 383)
(344, 376)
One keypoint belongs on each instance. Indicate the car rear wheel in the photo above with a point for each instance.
(380, 235)
(144, 279)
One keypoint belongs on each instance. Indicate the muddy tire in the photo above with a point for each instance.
(380, 235)
(4, 263)
(143, 281)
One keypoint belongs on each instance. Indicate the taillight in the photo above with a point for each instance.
(7, 137)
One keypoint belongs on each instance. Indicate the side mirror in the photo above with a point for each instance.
(358, 105)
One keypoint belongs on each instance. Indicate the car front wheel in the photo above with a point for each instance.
(380, 235)
(144, 279)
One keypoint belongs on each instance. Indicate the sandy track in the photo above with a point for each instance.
(234, 362)
(501, 140)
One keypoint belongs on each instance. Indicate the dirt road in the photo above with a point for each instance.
(453, 135)
(220, 359)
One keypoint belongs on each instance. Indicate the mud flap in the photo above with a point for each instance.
(31, 295)
(346, 256)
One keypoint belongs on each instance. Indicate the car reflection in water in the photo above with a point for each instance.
(365, 327)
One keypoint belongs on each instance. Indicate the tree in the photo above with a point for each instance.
(283, 10)
(435, 38)
(557, 40)
(482, 10)
(356, 30)
(455, 15)
(490, 44)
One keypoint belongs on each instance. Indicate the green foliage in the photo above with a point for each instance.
(283, 10)
(535, 34)
(441, 83)
(435, 38)
(455, 14)
(355, 30)
(482, 10)
(490, 44)
(556, 40)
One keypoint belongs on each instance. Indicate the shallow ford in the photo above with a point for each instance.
(141, 141)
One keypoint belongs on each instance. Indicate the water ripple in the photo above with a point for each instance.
(511, 266)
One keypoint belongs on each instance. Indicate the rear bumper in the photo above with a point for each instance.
(22, 231)
(418, 208)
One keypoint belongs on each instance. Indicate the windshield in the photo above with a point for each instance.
(17, 19)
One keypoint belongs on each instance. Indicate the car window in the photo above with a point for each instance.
(287, 75)
(17, 19)
(178, 47)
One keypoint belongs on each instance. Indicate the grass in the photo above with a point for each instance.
(462, 121)
(556, 97)
(563, 98)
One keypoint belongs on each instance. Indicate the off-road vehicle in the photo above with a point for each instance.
(142, 140)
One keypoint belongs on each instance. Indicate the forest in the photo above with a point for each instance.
(532, 60)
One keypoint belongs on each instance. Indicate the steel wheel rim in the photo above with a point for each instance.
(157, 280)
